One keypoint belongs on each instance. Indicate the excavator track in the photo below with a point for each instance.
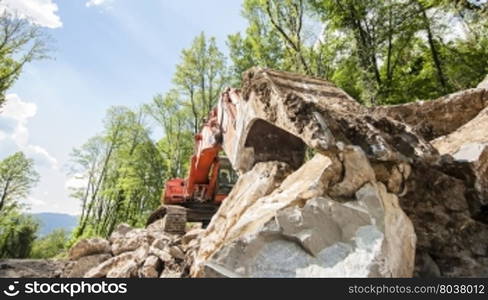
(175, 217)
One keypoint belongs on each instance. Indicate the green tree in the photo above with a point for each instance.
(200, 78)
(407, 50)
(176, 145)
(17, 234)
(123, 173)
(280, 35)
(20, 42)
(380, 52)
(17, 178)
(51, 245)
(467, 55)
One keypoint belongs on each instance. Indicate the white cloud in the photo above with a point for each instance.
(75, 182)
(35, 201)
(41, 156)
(97, 2)
(14, 134)
(40, 12)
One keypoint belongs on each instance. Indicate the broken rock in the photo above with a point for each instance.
(130, 242)
(85, 263)
(299, 230)
(151, 268)
(120, 231)
(87, 247)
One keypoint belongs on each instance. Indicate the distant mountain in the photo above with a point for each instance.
(51, 221)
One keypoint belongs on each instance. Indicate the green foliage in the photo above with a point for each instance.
(17, 177)
(21, 42)
(123, 171)
(17, 231)
(51, 245)
(17, 234)
(200, 78)
(380, 52)
(176, 145)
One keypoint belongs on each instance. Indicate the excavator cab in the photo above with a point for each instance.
(226, 179)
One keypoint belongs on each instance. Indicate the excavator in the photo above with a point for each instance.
(211, 176)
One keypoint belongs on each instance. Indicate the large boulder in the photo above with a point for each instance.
(130, 241)
(279, 115)
(300, 230)
(446, 231)
(151, 267)
(433, 119)
(446, 198)
(120, 232)
(88, 247)
(466, 151)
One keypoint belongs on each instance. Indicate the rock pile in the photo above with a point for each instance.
(131, 252)
(349, 211)
(309, 225)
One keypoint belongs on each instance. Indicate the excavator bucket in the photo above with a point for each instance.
(276, 116)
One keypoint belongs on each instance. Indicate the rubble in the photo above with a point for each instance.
(78, 268)
(132, 252)
(447, 198)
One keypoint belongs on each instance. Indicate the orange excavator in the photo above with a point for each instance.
(211, 176)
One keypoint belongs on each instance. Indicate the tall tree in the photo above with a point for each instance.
(123, 174)
(176, 145)
(17, 178)
(200, 77)
(287, 17)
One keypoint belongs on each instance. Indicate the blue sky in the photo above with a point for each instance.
(106, 52)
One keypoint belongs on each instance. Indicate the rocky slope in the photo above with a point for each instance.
(349, 211)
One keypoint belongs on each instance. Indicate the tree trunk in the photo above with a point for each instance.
(4, 195)
(433, 49)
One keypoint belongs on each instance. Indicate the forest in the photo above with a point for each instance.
(379, 52)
